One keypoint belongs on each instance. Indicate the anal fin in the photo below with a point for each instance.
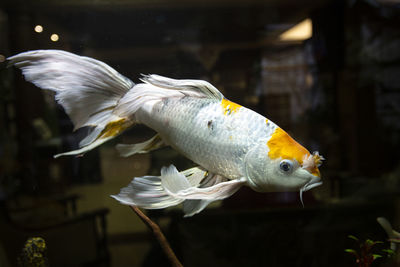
(128, 150)
(99, 135)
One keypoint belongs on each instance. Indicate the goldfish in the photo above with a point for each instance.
(231, 145)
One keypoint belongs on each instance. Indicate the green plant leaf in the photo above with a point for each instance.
(389, 251)
(370, 243)
(375, 256)
(351, 251)
(353, 237)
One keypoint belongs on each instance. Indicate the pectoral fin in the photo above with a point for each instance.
(194, 206)
(176, 185)
(147, 192)
(195, 187)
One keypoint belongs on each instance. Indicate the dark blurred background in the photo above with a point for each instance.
(328, 72)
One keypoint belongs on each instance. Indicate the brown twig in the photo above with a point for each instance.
(160, 237)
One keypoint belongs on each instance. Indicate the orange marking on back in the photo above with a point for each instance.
(229, 107)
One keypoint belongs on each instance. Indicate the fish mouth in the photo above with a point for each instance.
(314, 182)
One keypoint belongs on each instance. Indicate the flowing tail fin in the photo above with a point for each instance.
(88, 90)
(95, 95)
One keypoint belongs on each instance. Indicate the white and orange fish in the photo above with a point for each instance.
(233, 146)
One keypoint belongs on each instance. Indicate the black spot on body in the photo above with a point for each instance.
(210, 124)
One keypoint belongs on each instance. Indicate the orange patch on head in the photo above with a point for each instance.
(315, 171)
(281, 145)
(229, 107)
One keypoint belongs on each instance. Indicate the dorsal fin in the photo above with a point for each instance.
(195, 86)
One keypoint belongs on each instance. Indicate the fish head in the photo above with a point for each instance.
(282, 164)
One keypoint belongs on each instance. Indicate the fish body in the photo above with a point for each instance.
(210, 133)
(233, 146)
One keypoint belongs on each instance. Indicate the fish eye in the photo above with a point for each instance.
(286, 166)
